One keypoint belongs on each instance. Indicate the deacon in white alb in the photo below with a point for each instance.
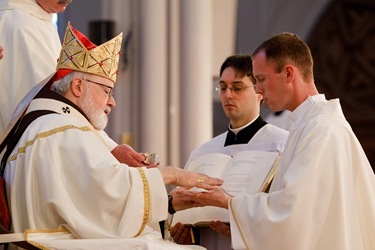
(323, 195)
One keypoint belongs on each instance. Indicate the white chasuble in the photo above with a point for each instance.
(62, 176)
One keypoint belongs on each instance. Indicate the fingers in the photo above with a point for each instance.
(214, 197)
(133, 162)
(220, 227)
(203, 181)
(152, 165)
(183, 178)
(207, 186)
(178, 191)
(150, 158)
(173, 230)
(181, 233)
(136, 158)
(126, 154)
(141, 157)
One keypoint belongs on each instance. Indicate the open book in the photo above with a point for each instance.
(246, 172)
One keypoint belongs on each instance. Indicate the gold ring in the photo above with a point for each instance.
(201, 180)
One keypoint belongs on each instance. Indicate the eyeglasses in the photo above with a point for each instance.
(233, 90)
(109, 93)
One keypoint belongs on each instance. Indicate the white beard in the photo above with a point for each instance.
(97, 117)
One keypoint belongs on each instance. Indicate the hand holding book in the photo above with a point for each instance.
(215, 196)
(246, 172)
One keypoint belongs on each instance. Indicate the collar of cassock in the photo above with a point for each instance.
(45, 102)
(47, 99)
(40, 99)
(244, 136)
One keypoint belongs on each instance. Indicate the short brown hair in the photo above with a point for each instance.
(241, 64)
(287, 48)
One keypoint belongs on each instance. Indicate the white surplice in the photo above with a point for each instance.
(31, 49)
(323, 195)
(61, 173)
(268, 138)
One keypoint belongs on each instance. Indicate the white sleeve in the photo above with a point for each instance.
(111, 144)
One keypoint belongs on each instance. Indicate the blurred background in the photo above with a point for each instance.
(173, 50)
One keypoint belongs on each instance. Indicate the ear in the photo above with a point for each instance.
(290, 71)
(76, 86)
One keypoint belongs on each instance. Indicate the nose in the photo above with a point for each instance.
(228, 92)
(111, 102)
(258, 89)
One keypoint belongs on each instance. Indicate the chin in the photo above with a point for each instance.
(99, 128)
(99, 124)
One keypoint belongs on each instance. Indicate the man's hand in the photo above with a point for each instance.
(215, 196)
(180, 201)
(126, 154)
(179, 177)
(220, 227)
(181, 234)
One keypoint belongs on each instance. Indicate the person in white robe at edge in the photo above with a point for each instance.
(61, 177)
(323, 195)
(1, 52)
(246, 131)
(33, 46)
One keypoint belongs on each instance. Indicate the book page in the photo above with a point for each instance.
(212, 164)
(245, 172)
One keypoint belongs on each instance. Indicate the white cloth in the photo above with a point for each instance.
(150, 241)
(268, 138)
(111, 144)
(323, 195)
(282, 120)
(31, 49)
(62, 174)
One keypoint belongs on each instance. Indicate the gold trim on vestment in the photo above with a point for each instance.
(44, 231)
(146, 194)
(238, 225)
(22, 150)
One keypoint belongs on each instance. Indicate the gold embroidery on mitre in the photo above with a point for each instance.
(102, 60)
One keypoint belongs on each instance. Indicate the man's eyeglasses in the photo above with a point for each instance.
(109, 93)
(233, 90)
